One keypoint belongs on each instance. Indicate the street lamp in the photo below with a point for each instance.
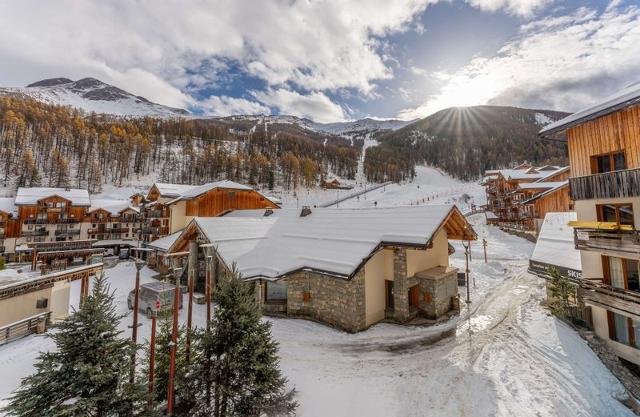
(466, 272)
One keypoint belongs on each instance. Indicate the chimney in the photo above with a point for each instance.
(268, 212)
(306, 210)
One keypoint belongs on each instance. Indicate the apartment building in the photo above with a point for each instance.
(604, 153)
(520, 197)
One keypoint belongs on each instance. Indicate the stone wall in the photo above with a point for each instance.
(335, 301)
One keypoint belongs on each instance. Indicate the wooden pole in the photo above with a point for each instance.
(193, 269)
(208, 291)
(484, 245)
(152, 359)
(134, 326)
(173, 345)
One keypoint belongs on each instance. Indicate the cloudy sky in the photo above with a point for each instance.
(330, 60)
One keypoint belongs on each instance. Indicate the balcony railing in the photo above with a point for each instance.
(156, 214)
(616, 184)
(51, 221)
(607, 242)
(67, 232)
(155, 230)
(611, 298)
(40, 232)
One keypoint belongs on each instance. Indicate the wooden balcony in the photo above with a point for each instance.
(616, 184)
(622, 243)
(67, 232)
(618, 300)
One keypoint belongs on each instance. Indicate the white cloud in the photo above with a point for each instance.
(516, 7)
(561, 63)
(228, 106)
(315, 105)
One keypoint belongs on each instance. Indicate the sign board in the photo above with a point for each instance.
(157, 305)
(544, 270)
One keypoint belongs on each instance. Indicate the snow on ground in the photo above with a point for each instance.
(508, 356)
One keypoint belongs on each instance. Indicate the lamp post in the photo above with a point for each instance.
(466, 271)
(173, 345)
(135, 325)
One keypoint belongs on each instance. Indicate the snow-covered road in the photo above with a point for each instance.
(508, 356)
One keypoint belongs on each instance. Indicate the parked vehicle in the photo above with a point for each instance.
(152, 295)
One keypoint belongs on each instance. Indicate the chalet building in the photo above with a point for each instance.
(604, 152)
(170, 207)
(114, 221)
(520, 197)
(51, 214)
(349, 268)
(28, 302)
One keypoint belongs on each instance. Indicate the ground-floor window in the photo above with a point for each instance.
(276, 292)
(624, 330)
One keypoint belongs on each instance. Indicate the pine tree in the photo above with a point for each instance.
(87, 374)
(239, 360)
(561, 291)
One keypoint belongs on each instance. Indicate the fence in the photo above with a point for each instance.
(23, 327)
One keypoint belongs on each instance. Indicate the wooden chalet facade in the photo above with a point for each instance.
(170, 207)
(604, 152)
(520, 197)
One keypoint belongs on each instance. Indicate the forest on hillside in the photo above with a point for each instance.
(48, 145)
(464, 142)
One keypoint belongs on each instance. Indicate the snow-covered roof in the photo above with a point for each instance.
(539, 185)
(197, 190)
(555, 244)
(172, 190)
(558, 170)
(112, 206)
(626, 97)
(29, 196)
(329, 240)
(559, 185)
(164, 243)
(7, 204)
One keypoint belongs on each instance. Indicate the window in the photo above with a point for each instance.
(276, 292)
(621, 273)
(618, 213)
(624, 330)
(608, 162)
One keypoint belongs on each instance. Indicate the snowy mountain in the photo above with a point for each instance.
(357, 127)
(360, 126)
(93, 95)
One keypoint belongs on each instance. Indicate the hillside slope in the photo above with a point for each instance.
(466, 141)
(92, 95)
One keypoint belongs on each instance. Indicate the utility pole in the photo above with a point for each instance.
(466, 271)
(470, 258)
(193, 269)
(173, 345)
(484, 245)
(207, 289)
(134, 327)
(152, 356)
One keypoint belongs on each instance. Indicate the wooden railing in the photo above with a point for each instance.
(608, 242)
(616, 184)
(611, 298)
(23, 327)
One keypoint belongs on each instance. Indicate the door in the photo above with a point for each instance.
(388, 290)
(414, 296)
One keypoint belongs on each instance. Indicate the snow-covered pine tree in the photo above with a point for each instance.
(87, 374)
(239, 360)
